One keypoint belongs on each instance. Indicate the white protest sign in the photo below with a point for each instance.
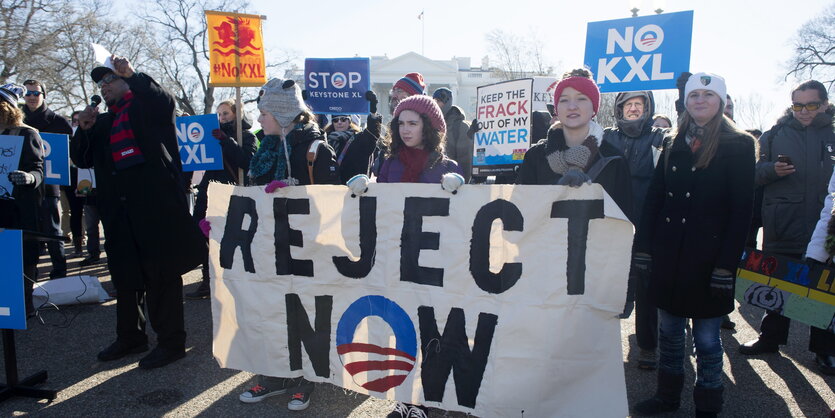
(543, 92)
(493, 301)
(103, 56)
(11, 147)
(504, 122)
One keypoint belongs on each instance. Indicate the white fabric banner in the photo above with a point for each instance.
(493, 301)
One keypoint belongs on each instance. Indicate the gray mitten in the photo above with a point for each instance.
(574, 177)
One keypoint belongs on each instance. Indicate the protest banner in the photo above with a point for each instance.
(236, 49)
(543, 92)
(56, 168)
(504, 121)
(796, 290)
(639, 53)
(199, 150)
(493, 301)
(12, 307)
(337, 86)
(10, 149)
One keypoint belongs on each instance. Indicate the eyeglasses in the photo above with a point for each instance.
(341, 119)
(797, 107)
(107, 79)
(32, 93)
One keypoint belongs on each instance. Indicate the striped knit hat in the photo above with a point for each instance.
(411, 83)
(11, 93)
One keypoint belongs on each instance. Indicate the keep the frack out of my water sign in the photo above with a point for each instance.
(639, 53)
(504, 122)
(199, 150)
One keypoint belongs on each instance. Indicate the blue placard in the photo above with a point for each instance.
(12, 308)
(199, 150)
(337, 86)
(10, 149)
(56, 169)
(639, 53)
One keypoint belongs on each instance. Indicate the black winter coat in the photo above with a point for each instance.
(22, 212)
(325, 169)
(639, 153)
(45, 120)
(696, 220)
(359, 154)
(234, 157)
(609, 170)
(143, 208)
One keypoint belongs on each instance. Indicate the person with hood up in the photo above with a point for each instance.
(353, 145)
(459, 145)
(640, 142)
(235, 157)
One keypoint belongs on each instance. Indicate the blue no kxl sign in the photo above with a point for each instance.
(639, 53)
(337, 86)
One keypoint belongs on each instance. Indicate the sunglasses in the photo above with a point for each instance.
(797, 107)
(107, 79)
(341, 119)
(32, 93)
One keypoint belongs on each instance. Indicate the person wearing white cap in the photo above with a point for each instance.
(691, 236)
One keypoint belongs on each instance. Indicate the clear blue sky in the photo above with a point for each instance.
(745, 41)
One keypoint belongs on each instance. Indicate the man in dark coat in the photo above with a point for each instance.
(640, 143)
(794, 167)
(459, 145)
(38, 116)
(151, 238)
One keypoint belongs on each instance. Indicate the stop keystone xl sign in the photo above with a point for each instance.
(236, 50)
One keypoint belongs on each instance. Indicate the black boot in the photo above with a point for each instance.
(667, 397)
(708, 401)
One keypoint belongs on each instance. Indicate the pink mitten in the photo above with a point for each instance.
(205, 226)
(275, 184)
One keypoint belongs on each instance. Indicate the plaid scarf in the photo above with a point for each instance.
(123, 146)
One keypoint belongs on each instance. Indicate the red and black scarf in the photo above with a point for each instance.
(123, 146)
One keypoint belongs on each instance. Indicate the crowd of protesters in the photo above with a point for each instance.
(696, 191)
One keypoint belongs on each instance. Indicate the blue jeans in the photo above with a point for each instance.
(708, 344)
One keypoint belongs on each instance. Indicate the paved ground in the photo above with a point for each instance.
(65, 345)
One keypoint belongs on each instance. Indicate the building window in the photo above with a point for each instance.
(475, 75)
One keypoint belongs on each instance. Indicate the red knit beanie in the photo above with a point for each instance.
(423, 105)
(411, 83)
(583, 85)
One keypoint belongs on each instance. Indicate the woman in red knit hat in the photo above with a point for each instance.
(415, 144)
(574, 152)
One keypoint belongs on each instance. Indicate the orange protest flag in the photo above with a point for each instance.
(236, 49)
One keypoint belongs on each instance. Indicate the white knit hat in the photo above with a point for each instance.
(282, 99)
(706, 81)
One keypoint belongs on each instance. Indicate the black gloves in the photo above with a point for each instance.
(372, 101)
(721, 285)
(473, 129)
(574, 177)
(680, 83)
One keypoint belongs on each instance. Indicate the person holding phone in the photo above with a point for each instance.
(794, 167)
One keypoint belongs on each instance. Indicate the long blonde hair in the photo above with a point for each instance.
(716, 127)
